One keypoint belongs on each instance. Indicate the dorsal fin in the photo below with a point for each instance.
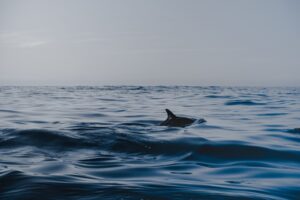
(170, 114)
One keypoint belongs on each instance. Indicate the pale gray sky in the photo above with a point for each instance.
(150, 42)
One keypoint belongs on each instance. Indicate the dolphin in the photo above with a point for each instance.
(175, 121)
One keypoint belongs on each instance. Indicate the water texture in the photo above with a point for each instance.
(105, 143)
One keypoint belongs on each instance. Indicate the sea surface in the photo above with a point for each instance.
(93, 143)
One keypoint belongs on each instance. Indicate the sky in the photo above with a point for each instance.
(150, 42)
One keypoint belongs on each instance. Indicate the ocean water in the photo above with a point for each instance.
(106, 143)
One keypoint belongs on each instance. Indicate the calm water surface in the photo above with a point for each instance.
(105, 143)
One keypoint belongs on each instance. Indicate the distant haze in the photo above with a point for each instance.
(150, 42)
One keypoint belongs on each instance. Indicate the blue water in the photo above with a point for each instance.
(105, 143)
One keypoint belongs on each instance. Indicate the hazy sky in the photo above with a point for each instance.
(150, 42)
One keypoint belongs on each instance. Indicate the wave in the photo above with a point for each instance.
(243, 103)
(114, 140)
(9, 111)
(295, 130)
(237, 152)
(42, 139)
(17, 185)
(271, 114)
(218, 96)
(200, 149)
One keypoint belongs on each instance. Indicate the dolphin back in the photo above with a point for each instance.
(175, 121)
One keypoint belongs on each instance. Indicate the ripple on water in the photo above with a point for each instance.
(243, 103)
(295, 130)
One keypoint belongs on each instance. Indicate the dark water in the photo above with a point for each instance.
(105, 143)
